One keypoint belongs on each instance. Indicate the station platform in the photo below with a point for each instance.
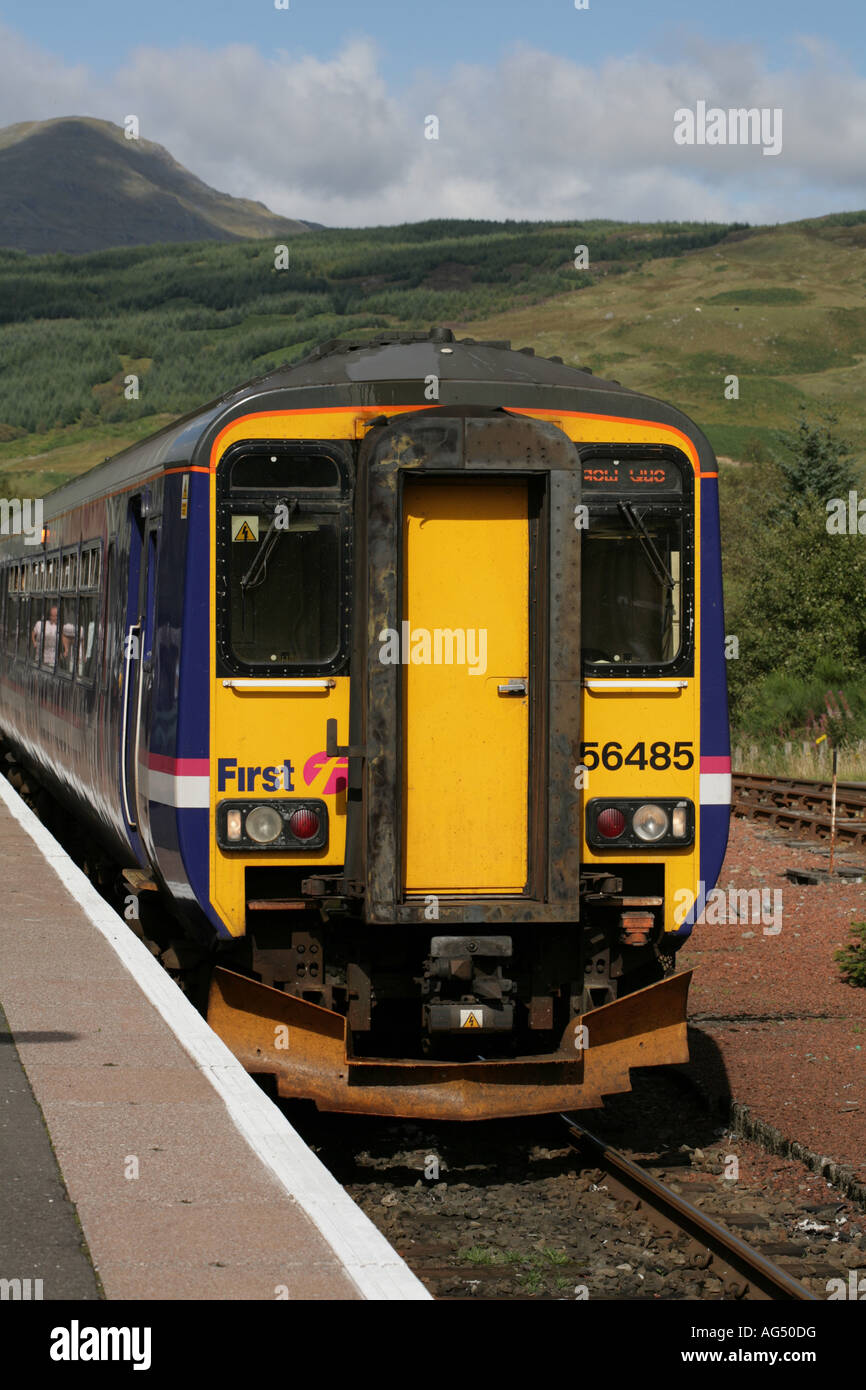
(138, 1160)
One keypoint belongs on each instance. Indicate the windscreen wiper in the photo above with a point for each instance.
(256, 572)
(657, 564)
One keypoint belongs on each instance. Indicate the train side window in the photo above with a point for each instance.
(68, 616)
(108, 622)
(69, 572)
(90, 570)
(24, 616)
(47, 639)
(284, 538)
(285, 592)
(86, 637)
(287, 470)
(68, 626)
(37, 621)
(35, 574)
(632, 589)
(12, 611)
(86, 631)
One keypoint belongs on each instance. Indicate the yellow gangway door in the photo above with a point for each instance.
(465, 649)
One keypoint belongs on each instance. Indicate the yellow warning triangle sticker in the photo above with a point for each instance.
(471, 1022)
(245, 528)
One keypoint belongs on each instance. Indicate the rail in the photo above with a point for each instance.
(802, 807)
(745, 1273)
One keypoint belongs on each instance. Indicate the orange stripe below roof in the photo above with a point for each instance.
(532, 411)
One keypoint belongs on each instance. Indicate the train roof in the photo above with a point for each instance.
(387, 369)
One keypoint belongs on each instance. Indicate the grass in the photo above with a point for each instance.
(476, 1255)
(791, 331)
(670, 309)
(65, 452)
(535, 1265)
(801, 761)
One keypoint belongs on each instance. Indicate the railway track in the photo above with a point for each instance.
(803, 808)
(712, 1251)
(544, 1211)
(744, 1272)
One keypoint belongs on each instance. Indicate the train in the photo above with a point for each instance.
(393, 684)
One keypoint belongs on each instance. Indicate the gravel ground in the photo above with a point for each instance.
(773, 1026)
(507, 1211)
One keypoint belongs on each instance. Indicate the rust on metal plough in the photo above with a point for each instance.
(308, 1050)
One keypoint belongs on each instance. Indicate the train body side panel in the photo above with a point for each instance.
(272, 729)
(177, 753)
(715, 731)
(66, 727)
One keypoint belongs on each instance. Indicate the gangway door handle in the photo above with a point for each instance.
(333, 749)
(515, 686)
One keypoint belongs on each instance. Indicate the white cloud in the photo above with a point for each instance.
(36, 85)
(536, 135)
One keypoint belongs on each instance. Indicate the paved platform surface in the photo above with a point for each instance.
(41, 1245)
(187, 1181)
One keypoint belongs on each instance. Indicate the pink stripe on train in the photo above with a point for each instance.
(716, 764)
(179, 767)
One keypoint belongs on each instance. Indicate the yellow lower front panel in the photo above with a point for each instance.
(641, 741)
(465, 634)
(264, 738)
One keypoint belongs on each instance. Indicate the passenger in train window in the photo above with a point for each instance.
(49, 644)
(67, 647)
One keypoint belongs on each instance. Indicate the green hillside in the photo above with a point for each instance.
(672, 309)
(781, 308)
(194, 320)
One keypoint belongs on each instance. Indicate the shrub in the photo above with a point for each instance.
(852, 958)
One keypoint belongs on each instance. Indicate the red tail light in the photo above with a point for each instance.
(304, 824)
(610, 823)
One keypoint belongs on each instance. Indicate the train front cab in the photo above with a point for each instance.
(410, 828)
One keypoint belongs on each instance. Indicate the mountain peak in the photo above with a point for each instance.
(77, 184)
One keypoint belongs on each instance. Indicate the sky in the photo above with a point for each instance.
(322, 109)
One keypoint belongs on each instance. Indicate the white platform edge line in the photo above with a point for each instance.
(375, 1268)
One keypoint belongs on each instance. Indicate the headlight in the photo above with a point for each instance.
(284, 824)
(680, 822)
(650, 822)
(615, 823)
(263, 824)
